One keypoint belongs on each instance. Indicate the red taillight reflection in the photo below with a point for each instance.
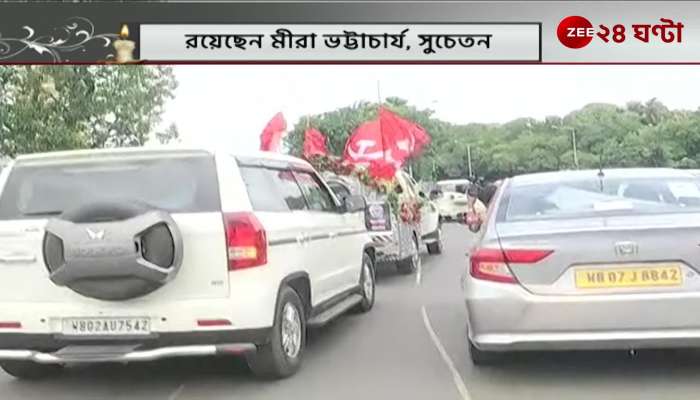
(492, 264)
(246, 241)
(213, 322)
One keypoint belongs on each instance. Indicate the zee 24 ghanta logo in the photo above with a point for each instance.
(576, 32)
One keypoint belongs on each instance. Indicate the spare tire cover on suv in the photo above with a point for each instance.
(113, 250)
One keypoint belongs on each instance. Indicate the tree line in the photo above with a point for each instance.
(639, 134)
(46, 108)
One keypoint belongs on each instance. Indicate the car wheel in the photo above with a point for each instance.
(366, 284)
(30, 370)
(436, 246)
(481, 357)
(410, 264)
(282, 356)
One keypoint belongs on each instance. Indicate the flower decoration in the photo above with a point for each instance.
(376, 176)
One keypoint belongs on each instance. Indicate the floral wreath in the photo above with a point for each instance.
(377, 176)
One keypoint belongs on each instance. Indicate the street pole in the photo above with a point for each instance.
(469, 159)
(573, 141)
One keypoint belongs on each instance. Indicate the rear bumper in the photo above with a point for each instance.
(505, 317)
(56, 349)
(610, 340)
(110, 354)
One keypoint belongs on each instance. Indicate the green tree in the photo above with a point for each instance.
(44, 108)
(640, 134)
(171, 134)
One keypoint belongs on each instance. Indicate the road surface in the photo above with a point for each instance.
(410, 346)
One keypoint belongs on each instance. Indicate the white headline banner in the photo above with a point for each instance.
(340, 42)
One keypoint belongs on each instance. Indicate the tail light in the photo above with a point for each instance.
(246, 241)
(492, 264)
(377, 217)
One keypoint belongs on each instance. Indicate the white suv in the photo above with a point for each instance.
(139, 254)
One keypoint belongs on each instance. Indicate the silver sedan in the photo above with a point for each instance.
(586, 260)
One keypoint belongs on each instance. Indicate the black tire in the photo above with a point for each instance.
(481, 357)
(270, 361)
(367, 298)
(30, 370)
(436, 247)
(409, 265)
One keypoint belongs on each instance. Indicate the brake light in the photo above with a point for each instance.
(246, 241)
(527, 256)
(492, 264)
(10, 325)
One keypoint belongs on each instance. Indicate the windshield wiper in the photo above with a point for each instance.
(46, 212)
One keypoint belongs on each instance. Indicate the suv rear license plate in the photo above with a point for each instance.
(629, 276)
(106, 326)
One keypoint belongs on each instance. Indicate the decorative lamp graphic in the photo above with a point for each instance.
(124, 46)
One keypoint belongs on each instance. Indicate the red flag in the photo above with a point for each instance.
(364, 144)
(271, 136)
(314, 143)
(389, 140)
(382, 170)
(403, 137)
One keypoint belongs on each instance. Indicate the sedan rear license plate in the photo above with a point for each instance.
(106, 326)
(629, 277)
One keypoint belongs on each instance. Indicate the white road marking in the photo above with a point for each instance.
(177, 392)
(459, 383)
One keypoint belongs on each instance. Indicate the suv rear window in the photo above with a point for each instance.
(177, 184)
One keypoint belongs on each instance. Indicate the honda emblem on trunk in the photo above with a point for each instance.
(95, 235)
(625, 248)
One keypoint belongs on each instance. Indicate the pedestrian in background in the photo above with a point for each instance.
(476, 210)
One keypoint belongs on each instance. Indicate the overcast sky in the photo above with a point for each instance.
(227, 106)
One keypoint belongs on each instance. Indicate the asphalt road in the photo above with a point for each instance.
(410, 346)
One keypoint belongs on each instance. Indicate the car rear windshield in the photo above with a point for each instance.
(174, 184)
(593, 197)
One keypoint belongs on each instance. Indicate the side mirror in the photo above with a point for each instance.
(354, 204)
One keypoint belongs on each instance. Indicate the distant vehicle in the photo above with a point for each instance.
(451, 199)
(578, 260)
(454, 185)
(430, 224)
(127, 255)
(395, 240)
